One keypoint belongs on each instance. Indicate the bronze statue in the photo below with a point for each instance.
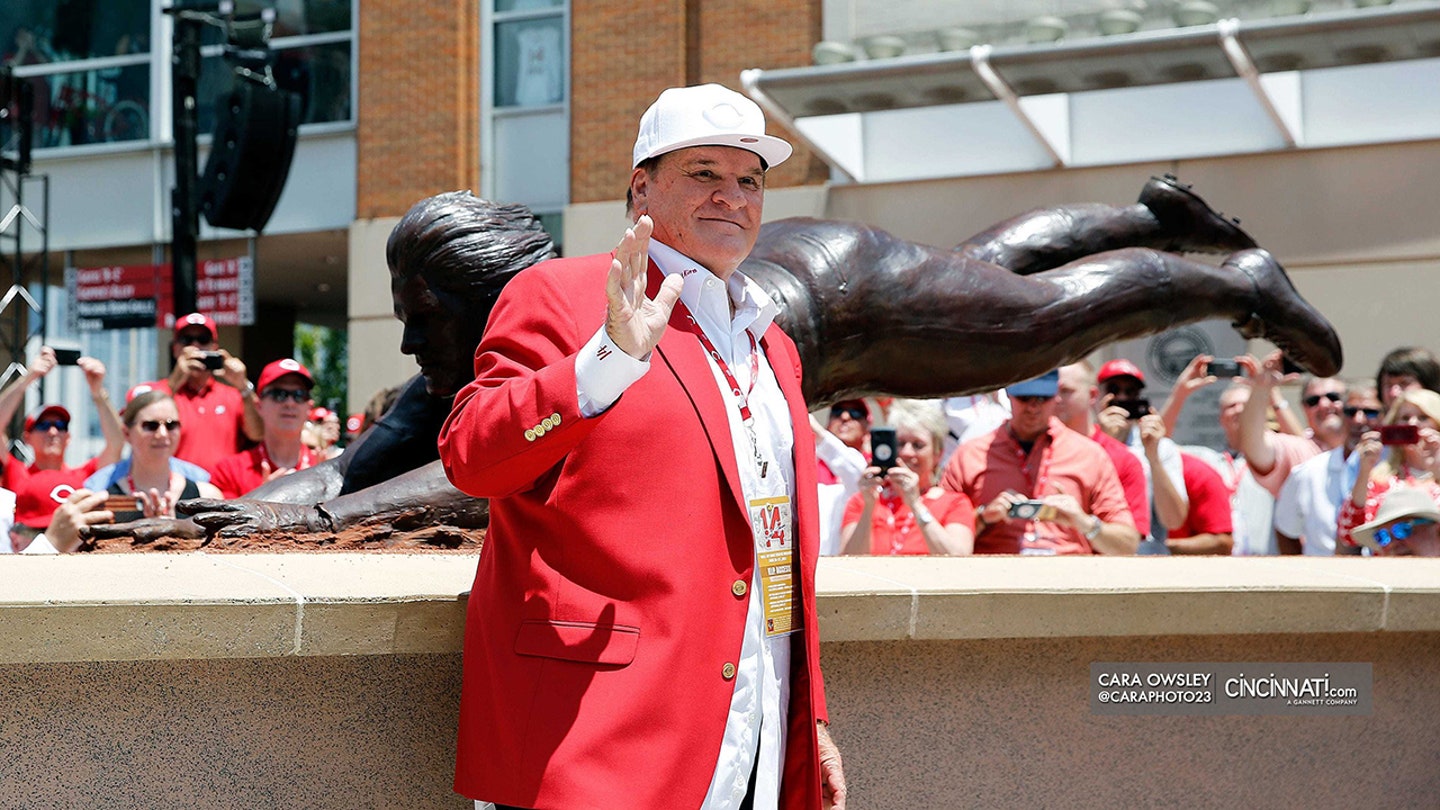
(870, 313)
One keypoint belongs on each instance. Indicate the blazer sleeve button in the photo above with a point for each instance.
(530, 435)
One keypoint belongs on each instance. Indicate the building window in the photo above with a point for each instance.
(91, 66)
(525, 109)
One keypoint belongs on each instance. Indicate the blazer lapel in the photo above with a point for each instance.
(682, 353)
(786, 368)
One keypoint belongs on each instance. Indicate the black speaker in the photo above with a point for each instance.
(250, 156)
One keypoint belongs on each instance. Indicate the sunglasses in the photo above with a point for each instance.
(192, 340)
(855, 413)
(1031, 400)
(1314, 399)
(44, 426)
(282, 394)
(1370, 413)
(153, 425)
(1399, 531)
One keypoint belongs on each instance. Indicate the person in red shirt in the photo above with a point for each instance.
(218, 418)
(1078, 394)
(48, 481)
(1208, 527)
(1034, 457)
(285, 403)
(902, 511)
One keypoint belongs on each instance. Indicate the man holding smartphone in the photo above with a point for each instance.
(217, 417)
(1061, 486)
(1126, 416)
(47, 481)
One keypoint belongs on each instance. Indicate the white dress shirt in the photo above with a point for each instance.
(1309, 502)
(759, 706)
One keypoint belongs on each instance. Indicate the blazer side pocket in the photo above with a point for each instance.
(587, 642)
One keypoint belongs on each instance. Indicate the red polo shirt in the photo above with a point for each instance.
(1132, 478)
(237, 474)
(1060, 461)
(212, 422)
(1209, 500)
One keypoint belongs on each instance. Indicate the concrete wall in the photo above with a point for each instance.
(331, 680)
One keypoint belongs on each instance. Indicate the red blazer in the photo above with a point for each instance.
(602, 611)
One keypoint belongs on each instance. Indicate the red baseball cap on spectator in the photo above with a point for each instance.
(280, 368)
(44, 411)
(354, 422)
(196, 319)
(1120, 368)
(37, 501)
(319, 413)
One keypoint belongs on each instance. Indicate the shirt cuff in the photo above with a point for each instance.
(40, 545)
(603, 372)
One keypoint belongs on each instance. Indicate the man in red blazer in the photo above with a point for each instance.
(642, 628)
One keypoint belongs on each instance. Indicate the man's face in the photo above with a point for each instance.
(849, 422)
(1122, 388)
(1422, 538)
(1232, 402)
(1323, 401)
(436, 334)
(1029, 416)
(197, 336)
(49, 438)
(1362, 413)
(279, 408)
(705, 202)
(1393, 385)
(1076, 396)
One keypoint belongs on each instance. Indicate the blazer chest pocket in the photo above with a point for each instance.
(586, 642)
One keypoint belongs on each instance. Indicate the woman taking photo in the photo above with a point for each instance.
(1414, 463)
(152, 429)
(903, 511)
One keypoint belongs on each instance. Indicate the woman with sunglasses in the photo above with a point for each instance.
(1413, 460)
(152, 429)
(902, 510)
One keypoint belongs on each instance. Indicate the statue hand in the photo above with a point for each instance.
(145, 530)
(239, 518)
(634, 321)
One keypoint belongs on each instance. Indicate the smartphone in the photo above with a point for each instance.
(213, 360)
(124, 503)
(1225, 368)
(1134, 408)
(1399, 434)
(67, 357)
(883, 448)
(1031, 510)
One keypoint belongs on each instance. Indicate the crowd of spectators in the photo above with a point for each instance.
(1076, 461)
(1079, 462)
(205, 431)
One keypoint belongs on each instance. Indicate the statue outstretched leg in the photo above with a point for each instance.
(941, 324)
(1169, 216)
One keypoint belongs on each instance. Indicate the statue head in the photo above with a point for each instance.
(449, 257)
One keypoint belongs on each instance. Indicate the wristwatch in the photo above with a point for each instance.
(1094, 530)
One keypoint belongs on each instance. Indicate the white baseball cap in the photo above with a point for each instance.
(706, 115)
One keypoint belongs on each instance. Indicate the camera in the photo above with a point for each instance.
(67, 357)
(1399, 434)
(1225, 368)
(124, 503)
(1031, 510)
(213, 360)
(1134, 408)
(883, 448)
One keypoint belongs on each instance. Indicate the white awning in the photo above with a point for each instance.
(1345, 77)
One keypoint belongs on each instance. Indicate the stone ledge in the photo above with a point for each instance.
(195, 606)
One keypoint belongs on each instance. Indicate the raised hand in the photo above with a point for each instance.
(634, 321)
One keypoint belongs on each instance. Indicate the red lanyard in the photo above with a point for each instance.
(742, 396)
